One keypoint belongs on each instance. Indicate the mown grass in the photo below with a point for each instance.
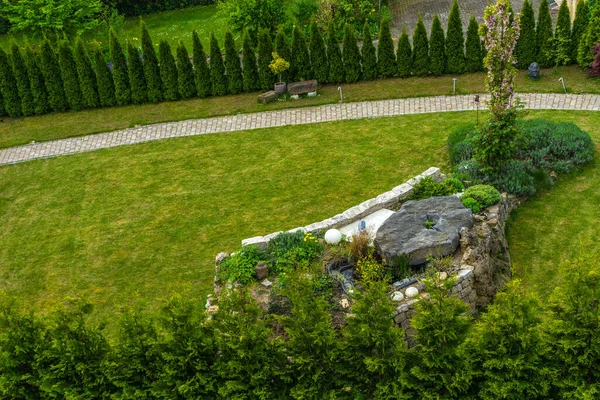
(57, 126)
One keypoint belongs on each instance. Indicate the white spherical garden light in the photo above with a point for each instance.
(333, 236)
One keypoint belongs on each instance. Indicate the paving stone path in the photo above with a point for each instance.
(269, 119)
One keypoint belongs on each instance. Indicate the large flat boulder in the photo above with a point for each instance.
(424, 228)
(303, 87)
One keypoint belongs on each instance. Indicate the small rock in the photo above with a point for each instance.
(344, 303)
(412, 292)
(220, 257)
(295, 97)
(396, 285)
(262, 271)
(312, 94)
(443, 276)
(397, 296)
(267, 283)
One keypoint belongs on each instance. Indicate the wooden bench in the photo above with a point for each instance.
(303, 87)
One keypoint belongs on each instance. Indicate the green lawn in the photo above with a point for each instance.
(57, 126)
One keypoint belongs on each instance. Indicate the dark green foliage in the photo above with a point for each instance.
(336, 65)
(318, 55)
(484, 195)
(185, 73)
(87, 76)
(562, 36)
(106, 85)
(36, 79)
(437, 48)
(201, 68)
(404, 55)
(474, 52)
(218, 78)
(265, 56)
(168, 72)
(240, 266)
(251, 81)
(515, 177)
(119, 71)
(151, 67)
(455, 41)
(291, 250)
(283, 50)
(22, 80)
(420, 60)
(369, 55)
(580, 25)
(543, 35)
(386, 59)
(427, 188)
(68, 71)
(525, 50)
(139, 91)
(52, 78)
(590, 38)
(233, 66)
(300, 62)
(351, 55)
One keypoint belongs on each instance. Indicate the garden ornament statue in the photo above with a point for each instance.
(534, 71)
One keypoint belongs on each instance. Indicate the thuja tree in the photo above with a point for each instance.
(525, 50)
(334, 54)
(251, 81)
(185, 73)
(579, 26)
(420, 61)
(168, 71)
(68, 71)
(265, 51)
(283, 50)
(201, 69)
(22, 79)
(562, 47)
(386, 59)
(87, 76)
(543, 35)
(106, 85)
(590, 38)
(474, 53)
(139, 91)
(233, 66)
(494, 143)
(404, 55)
(318, 55)
(455, 41)
(119, 70)
(368, 54)
(437, 51)
(52, 78)
(151, 67)
(38, 87)
(351, 55)
(217, 69)
(8, 87)
(300, 62)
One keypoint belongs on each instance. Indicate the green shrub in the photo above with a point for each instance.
(544, 35)
(217, 68)
(240, 266)
(139, 90)
(420, 60)
(318, 55)
(168, 71)
(474, 48)
(300, 62)
(283, 49)
(484, 195)
(106, 85)
(469, 172)
(455, 41)
(334, 54)
(52, 79)
(404, 55)
(386, 59)
(233, 66)
(525, 49)
(580, 25)
(201, 69)
(515, 177)
(427, 188)
(471, 203)
(351, 55)
(87, 76)
(369, 270)
(290, 250)
(119, 71)
(151, 67)
(437, 49)
(68, 71)
(186, 81)
(22, 81)
(38, 87)
(265, 51)
(368, 54)
(251, 80)
(8, 87)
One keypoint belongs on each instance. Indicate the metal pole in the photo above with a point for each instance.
(563, 84)
(341, 94)
(454, 84)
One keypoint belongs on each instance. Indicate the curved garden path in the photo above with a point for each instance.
(294, 116)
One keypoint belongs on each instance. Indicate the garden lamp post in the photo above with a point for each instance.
(476, 99)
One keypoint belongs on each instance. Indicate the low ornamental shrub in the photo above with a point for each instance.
(472, 204)
(369, 270)
(427, 188)
(483, 195)
(290, 250)
(240, 266)
(516, 177)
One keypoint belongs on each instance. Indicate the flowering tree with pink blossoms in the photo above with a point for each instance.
(495, 141)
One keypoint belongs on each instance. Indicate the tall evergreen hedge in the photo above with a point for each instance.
(151, 67)
(87, 77)
(579, 26)
(52, 78)
(318, 54)
(265, 55)
(334, 54)
(351, 55)
(437, 49)
(283, 50)
(185, 73)
(139, 90)
(38, 87)
(420, 61)
(404, 55)
(525, 50)
(217, 69)
(8, 87)
(455, 41)
(368, 54)
(474, 52)
(168, 71)
(251, 81)
(300, 62)
(201, 68)
(68, 71)
(23, 81)
(562, 35)
(590, 37)
(543, 35)
(106, 85)
(233, 66)
(386, 59)
(119, 70)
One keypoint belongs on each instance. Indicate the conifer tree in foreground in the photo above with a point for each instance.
(185, 73)
(562, 36)
(579, 27)
(23, 81)
(217, 69)
(8, 87)
(525, 50)
(368, 54)
(87, 76)
(139, 90)
(151, 67)
(474, 53)
(437, 50)
(543, 35)
(250, 69)
(420, 61)
(168, 71)
(38, 87)
(119, 71)
(590, 38)
(233, 66)
(283, 50)
(201, 69)
(455, 42)
(351, 55)
(334, 54)
(265, 55)
(106, 85)
(300, 62)
(54, 84)
(68, 71)
(318, 55)
(386, 59)
(404, 55)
